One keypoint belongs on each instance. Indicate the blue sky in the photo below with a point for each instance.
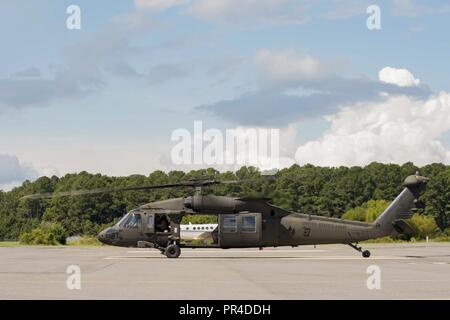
(106, 98)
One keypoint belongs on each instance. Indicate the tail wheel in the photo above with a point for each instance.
(172, 251)
(365, 253)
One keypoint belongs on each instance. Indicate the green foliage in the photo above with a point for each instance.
(423, 226)
(85, 241)
(446, 232)
(305, 189)
(355, 214)
(368, 212)
(436, 199)
(384, 240)
(375, 208)
(9, 243)
(46, 234)
(441, 238)
(199, 219)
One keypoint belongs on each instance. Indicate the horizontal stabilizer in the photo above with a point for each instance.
(403, 227)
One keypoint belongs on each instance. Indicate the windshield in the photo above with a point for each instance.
(130, 220)
(120, 223)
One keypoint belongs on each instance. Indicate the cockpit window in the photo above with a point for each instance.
(121, 221)
(132, 220)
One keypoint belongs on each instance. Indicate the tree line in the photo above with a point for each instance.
(328, 191)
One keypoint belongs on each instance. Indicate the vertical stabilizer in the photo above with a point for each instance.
(401, 207)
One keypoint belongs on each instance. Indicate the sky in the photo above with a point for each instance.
(107, 97)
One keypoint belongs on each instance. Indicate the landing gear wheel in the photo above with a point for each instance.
(172, 251)
(365, 253)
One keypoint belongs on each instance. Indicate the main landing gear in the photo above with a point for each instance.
(365, 253)
(172, 251)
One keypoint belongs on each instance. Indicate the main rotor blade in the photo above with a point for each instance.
(187, 183)
(260, 179)
(96, 191)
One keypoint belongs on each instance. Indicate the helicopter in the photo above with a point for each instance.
(246, 222)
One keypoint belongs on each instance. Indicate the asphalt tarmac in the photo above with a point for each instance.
(394, 271)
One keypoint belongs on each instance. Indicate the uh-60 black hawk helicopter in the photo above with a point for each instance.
(246, 222)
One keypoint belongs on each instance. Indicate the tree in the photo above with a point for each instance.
(46, 234)
(357, 193)
(375, 208)
(355, 214)
(368, 212)
(435, 201)
(423, 226)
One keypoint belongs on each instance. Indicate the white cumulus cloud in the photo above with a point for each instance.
(400, 77)
(396, 130)
(13, 172)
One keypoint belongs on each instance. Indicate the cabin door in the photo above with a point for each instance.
(240, 230)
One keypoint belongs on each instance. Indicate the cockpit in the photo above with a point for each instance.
(134, 224)
(132, 220)
(130, 224)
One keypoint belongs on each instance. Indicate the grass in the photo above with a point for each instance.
(442, 238)
(85, 241)
(9, 243)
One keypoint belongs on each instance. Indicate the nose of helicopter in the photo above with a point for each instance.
(102, 236)
(107, 235)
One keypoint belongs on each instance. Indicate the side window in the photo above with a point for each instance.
(248, 224)
(229, 223)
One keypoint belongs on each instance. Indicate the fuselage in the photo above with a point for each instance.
(242, 223)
